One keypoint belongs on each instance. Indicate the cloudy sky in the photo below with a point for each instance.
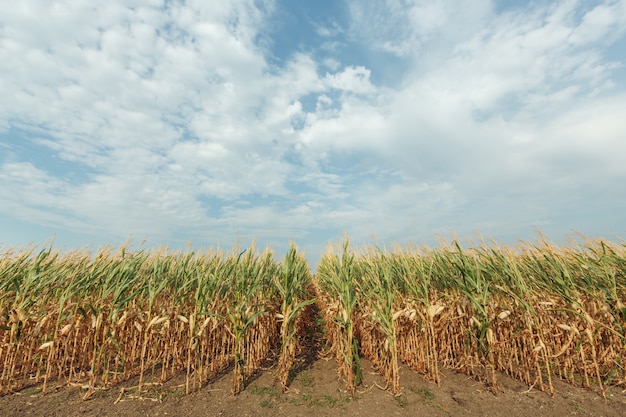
(224, 121)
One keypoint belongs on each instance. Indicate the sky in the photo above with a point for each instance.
(389, 121)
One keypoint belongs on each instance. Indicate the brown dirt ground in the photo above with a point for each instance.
(316, 390)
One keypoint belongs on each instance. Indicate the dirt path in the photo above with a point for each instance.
(317, 391)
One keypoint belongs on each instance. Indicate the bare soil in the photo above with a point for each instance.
(316, 390)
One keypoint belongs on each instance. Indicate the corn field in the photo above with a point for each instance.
(536, 312)
(107, 318)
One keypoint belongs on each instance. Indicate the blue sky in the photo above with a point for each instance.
(221, 122)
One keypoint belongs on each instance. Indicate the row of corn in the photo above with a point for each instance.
(536, 312)
(103, 319)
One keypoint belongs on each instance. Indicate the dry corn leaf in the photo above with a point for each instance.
(46, 345)
(204, 324)
(156, 321)
(434, 310)
(397, 314)
(504, 314)
(123, 318)
(65, 330)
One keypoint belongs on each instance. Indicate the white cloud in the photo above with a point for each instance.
(605, 22)
(407, 27)
(179, 123)
(328, 30)
(351, 79)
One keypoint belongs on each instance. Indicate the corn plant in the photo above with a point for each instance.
(336, 284)
(292, 284)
